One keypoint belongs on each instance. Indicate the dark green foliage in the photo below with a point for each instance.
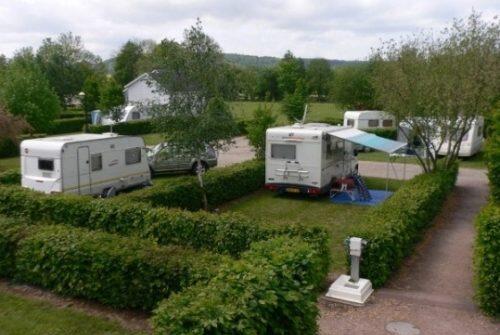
(126, 62)
(263, 119)
(8, 148)
(271, 290)
(222, 185)
(393, 229)
(319, 78)
(352, 87)
(117, 271)
(10, 177)
(267, 85)
(111, 95)
(493, 155)
(11, 231)
(293, 104)
(139, 127)
(487, 259)
(91, 88)
(290, 71)
(71, 114)
(65, 126)
(390, 133)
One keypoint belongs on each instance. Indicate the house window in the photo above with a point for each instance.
(479, 131)
(136, 116)
(283, 151)
(132, 156)
(96, 162)
(372, 123)
(387, 123)
(350, 122)
(46, 164)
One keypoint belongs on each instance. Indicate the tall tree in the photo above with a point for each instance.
(319, 77)
(293, 104)
(192, 74)
(25, 92)
(111, 95)
(126, 62)
(267, 85)
(66, 64)
(290, 70)
(439, 86)
(263, 119)
(352, 87)
(91, 89)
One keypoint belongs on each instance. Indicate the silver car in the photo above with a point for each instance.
(168, 158)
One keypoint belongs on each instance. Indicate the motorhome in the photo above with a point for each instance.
(368, 119)
(306, 158)
(94, 164)
(471, 144)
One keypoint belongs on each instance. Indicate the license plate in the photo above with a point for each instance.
(293, 190)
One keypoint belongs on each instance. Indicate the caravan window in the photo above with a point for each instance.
(373, 123)
(132, 156)
(136, 116)
(387, 123)
(46, 164)
(350, 122)
(96, 162)
(283, 151)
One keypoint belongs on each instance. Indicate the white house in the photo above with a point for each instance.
(144, 90)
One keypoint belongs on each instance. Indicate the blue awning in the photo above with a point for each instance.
(368, 140)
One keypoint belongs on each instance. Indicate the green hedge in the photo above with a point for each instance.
(10, 177)
(330, 120)
(117, 271)
(393, 229)
(390, 133)
(487, 259)
(139, 127)
(270, 290)
(228, 233)
(221, 185)
(8, 148)
(65, 126)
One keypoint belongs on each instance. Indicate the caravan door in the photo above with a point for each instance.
(83, 159)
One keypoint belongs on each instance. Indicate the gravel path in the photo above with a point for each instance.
(433, 290)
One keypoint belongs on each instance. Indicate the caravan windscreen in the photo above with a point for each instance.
(283, 151)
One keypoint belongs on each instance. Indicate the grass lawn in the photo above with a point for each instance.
(475, 162)
(21, 316)
(243, 110)
(10, 163)
(287, 209)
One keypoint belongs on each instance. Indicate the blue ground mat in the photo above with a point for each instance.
(378, 196)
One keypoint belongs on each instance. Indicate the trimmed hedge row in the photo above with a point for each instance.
(10, 177)
(227, 233)
(270, 290)
(139, 127)
(222, 185)
(64, 126)
(487, 259)
(396, 226)
(390, 133)
(117, 271)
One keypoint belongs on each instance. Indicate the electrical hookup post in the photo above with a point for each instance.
(352, 290)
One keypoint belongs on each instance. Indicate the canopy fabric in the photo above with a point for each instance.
(368, 140)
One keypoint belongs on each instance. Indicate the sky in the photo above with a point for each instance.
(330, 29)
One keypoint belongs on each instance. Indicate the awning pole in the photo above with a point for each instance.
(387, 173)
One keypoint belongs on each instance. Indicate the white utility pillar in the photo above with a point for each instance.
(351, 289)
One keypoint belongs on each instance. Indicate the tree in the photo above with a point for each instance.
(267, 85)
(126, 62)
(439, 86)
(293, 104)
(91, 88)
(352, 87)
(192, 73)
(66, 64)
(290, 70)
(319, 77)
(263, 119)
(25, 92)
(111, 95)
(11, 126)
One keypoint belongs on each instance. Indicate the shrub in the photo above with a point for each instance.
(393, 229)
(65, 126)
(226, 233)
(486, 259)
(10, 177)
(117, 271)
(8, 148)
(140, 127)
(221, 185)
(271, 290)
(493, 156)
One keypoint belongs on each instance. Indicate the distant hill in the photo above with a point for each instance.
(254, 61)
(267, 61)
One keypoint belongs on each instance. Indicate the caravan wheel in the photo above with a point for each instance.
(108, 192)
(204, 167)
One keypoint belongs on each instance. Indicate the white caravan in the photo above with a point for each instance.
(95, 164)
(368, 119)
(471, 144)
(306, 158)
